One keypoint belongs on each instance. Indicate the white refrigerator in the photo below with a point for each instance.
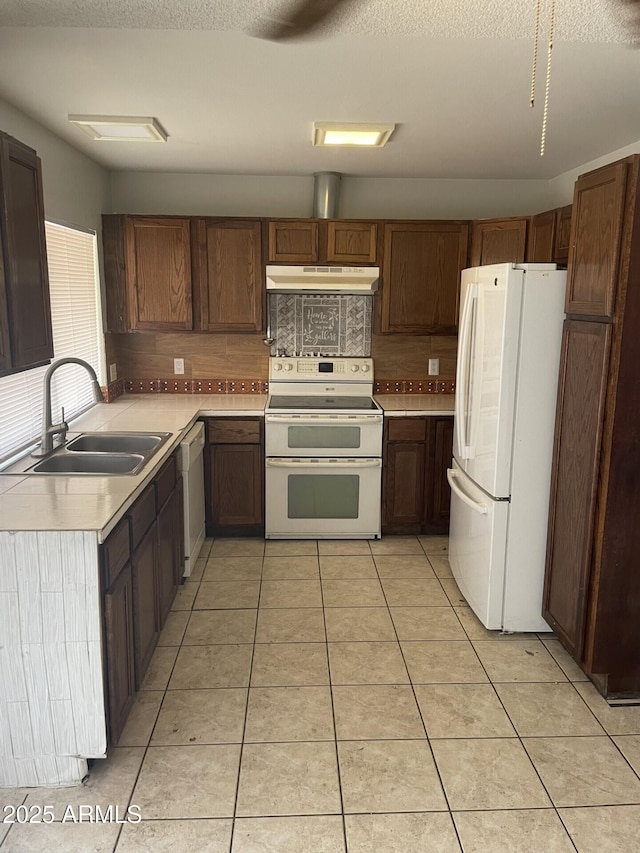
(506, 386)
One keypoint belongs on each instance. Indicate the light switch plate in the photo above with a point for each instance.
(113, 372)
(178, 365)
(434, 366)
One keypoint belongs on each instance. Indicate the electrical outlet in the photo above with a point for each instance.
(178, 365)
(434, 366)
(113, 372)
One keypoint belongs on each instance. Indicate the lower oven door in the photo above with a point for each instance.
(322, 498)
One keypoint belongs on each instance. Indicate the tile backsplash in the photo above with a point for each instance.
(330, 325)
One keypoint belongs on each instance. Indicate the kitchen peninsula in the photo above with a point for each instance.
(52, 530)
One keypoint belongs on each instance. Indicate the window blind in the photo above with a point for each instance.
(77, 330)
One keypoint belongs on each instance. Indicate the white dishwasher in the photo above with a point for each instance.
(192, 450)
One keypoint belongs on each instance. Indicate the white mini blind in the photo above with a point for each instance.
(77, 330)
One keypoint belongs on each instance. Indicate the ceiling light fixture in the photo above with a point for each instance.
(121, 128)
(336, 133)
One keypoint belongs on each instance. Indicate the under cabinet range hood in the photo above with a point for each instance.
(322, 279)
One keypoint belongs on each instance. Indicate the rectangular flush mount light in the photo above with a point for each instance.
(121, 128)
(336, 133)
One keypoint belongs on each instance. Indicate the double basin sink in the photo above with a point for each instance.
(102, 453)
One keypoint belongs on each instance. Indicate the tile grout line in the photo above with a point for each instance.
(415, 699)
(246, 708)
(333, 709)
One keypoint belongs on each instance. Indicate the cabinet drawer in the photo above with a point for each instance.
(142, 515)
(165, 481)
(406, 429)
(234, 431)
(115, 552)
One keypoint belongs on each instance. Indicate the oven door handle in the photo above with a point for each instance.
(323, 463)
(323, 420)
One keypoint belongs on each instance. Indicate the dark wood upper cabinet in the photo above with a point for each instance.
(313, 241)
(351, 243)
(25, 311)
(293, 241)
(228, 275)
(548, 236)
(147, 264)
(541, 238)
(596, 229)
(421, 276)
(563, 234)
(498, 241)
(158, 259)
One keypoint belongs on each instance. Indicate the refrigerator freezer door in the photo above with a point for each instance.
(477, 547)
(491, 299)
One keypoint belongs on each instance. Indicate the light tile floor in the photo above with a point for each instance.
(324, 697)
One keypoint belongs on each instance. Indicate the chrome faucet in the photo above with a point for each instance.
(49, 429)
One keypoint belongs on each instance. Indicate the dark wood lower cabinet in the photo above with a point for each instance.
(146, 623)
(142, 567)
(234, 477)
(438, 491)
(170, 550)
(118, 617)
(415, 492)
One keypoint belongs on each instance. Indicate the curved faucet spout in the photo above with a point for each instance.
(49, 429)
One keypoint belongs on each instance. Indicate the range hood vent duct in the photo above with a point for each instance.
(326, 191)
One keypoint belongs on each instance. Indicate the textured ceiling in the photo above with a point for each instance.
(453, 76)
(576, 20)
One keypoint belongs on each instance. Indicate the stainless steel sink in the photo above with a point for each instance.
(89, 463)
(101, 453)
(145, 443)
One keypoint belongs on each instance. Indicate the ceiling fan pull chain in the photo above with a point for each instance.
(545, 111)
(534, 67)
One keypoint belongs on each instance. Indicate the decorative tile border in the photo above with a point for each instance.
(259, 386)
(196, 386)
(415, 386)
(113, 390)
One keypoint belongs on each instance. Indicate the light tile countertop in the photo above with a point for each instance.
(39, 502)
(397, 405)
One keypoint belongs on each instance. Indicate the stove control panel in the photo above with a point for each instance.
(324, 367)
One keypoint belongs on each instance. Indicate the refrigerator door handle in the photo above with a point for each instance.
(462, 371)
(464, 497)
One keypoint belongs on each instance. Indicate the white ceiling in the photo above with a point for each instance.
(454, 75)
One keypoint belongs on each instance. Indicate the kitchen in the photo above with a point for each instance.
(242, 357)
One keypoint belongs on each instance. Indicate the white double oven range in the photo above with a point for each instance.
(323, 437)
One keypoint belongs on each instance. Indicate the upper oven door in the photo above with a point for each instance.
(323, 435)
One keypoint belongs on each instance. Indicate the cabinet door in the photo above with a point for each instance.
(293, 241)
(229, 275)
(25, 310)
(170, 550)
(575, 478)
(403, 489)
(541, 240)
(563, 234)
(438, 492)
(421, 276)
(235, 489)
(158, 259)
(145, 602)
(351, 242)
(118, 618)
(498, 241)
(596, 231)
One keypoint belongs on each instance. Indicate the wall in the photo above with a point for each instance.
(561, 187)
(260, 195)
